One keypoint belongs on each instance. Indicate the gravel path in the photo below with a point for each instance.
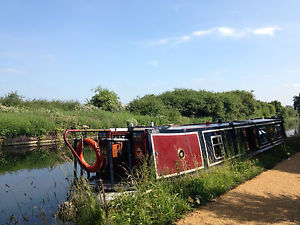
(273, 197)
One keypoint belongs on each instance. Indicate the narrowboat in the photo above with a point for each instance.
(174, 150)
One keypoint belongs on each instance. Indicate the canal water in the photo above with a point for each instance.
(292, 127)
(34, 183)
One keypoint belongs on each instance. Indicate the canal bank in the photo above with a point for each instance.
(23, 142)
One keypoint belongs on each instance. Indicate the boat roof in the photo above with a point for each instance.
(222, 124)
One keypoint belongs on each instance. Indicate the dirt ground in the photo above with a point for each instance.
(273, 197)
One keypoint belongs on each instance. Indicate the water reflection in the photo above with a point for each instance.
(292, 127)
(32, 185)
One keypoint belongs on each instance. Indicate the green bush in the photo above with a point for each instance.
(231, 105)
(106, 100)
(12, 99)
(147, 105)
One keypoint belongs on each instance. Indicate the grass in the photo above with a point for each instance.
(153, 202)
(39, 117)
(54, 120)
(83, 207)
(164, 201)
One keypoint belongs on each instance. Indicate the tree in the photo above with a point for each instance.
(278, 107)
(229, 105)
(105, 99)
(12, 99)
(289, 112)
(297, 103)
(147, 105)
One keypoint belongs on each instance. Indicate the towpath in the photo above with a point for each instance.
(273, 197)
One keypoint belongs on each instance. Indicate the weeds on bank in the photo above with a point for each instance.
(152, 202)
(82, 206)
(166, 200)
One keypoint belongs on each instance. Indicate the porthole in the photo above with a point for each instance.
(181, 153)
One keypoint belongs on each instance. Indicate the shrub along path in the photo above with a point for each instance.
(273, 197)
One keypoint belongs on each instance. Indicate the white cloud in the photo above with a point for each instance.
(266, 31)
(201, 32)
(185, 38)
(226, 31)
(181, 39)
(11, 70)
(223, 31)
(161, 42)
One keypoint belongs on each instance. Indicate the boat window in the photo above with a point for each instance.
(262, 134)
(218, 146)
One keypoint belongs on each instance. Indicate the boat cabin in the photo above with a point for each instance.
(174, 149)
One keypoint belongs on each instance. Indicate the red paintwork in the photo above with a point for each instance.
(166, 147)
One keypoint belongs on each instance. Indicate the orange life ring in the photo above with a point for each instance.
(99, 159)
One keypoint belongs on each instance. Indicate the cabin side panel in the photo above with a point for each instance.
(176, 153)
(219, 144)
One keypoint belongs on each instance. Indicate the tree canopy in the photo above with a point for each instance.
(297, 103)
(105, 99)
(231, 105)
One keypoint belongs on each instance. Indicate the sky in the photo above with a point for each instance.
(62, 49)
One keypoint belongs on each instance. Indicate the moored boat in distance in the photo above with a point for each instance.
(174, 149)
